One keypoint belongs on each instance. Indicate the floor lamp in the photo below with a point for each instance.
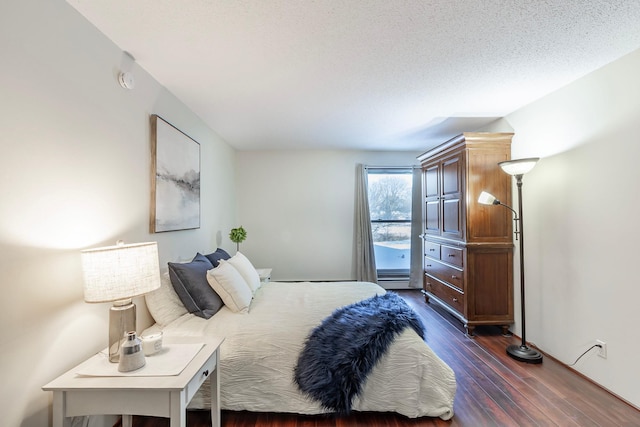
(517, 168)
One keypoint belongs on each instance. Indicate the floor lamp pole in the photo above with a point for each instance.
(522, 352)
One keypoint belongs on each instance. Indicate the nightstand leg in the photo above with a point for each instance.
(60, 409)
(178, 410)
(214, 380)
(178, 420)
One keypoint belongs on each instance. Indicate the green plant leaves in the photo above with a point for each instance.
(238, 235)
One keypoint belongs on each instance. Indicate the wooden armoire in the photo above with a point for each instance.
(468, 247)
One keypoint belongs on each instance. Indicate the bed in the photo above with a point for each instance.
(262, 346)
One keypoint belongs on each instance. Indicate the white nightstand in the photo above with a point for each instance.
(265, 274)
(161, 396)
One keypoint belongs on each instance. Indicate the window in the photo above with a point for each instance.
(389, 192)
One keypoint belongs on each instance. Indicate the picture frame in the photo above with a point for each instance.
(175, 178)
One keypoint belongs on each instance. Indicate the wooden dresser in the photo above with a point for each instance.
(468, 247)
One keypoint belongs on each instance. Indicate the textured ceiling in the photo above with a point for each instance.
(356, 74)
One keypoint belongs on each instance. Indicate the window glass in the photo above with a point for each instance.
(390, 208)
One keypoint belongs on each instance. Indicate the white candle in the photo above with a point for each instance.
(152, 343)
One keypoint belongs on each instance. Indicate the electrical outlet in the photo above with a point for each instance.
(602, 349)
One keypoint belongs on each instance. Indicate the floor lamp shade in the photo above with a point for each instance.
(117, 274)
(519, 166)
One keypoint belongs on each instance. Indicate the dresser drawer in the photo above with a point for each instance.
(202, 375)
(445, 273)
(452, 255)
(445, 293)
(432, 250)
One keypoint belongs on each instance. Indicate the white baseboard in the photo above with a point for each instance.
(394, 283)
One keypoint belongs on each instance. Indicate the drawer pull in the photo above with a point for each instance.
(428, 265)
(451, 255)
(454, 277)
(205, 373)
(455, 300)
(431, 250)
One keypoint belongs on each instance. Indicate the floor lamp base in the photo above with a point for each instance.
(522, 353)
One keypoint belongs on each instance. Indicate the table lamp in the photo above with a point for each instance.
(119, 273)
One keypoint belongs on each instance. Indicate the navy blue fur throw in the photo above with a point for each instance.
(340, 352)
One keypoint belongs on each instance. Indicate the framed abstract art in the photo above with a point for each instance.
(175, 178)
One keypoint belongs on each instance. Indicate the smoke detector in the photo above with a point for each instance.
(126, 80)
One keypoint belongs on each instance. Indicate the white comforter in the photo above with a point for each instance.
(261, 349)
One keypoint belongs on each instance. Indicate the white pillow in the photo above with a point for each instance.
(246, 270)
(229, 284)
(163, 303)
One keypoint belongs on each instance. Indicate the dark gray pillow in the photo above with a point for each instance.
(216, 256)
(190, 282)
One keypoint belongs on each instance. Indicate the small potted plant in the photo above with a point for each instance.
(238, 235)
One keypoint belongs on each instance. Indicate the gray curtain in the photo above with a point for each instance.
(417, 228)
(365, 261)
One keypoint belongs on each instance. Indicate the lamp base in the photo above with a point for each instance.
(122, 319)
(522, 353)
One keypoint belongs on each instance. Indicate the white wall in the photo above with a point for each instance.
(75, 173)
(298, 209)
(581, 206)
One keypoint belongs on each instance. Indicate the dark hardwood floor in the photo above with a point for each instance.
(493, 389)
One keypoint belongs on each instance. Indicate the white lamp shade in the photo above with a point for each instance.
(120, 272)
(520, 166)
(486, 198)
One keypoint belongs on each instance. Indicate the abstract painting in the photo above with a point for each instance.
(175, 186)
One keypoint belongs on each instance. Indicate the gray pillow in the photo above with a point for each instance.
(190, 282)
